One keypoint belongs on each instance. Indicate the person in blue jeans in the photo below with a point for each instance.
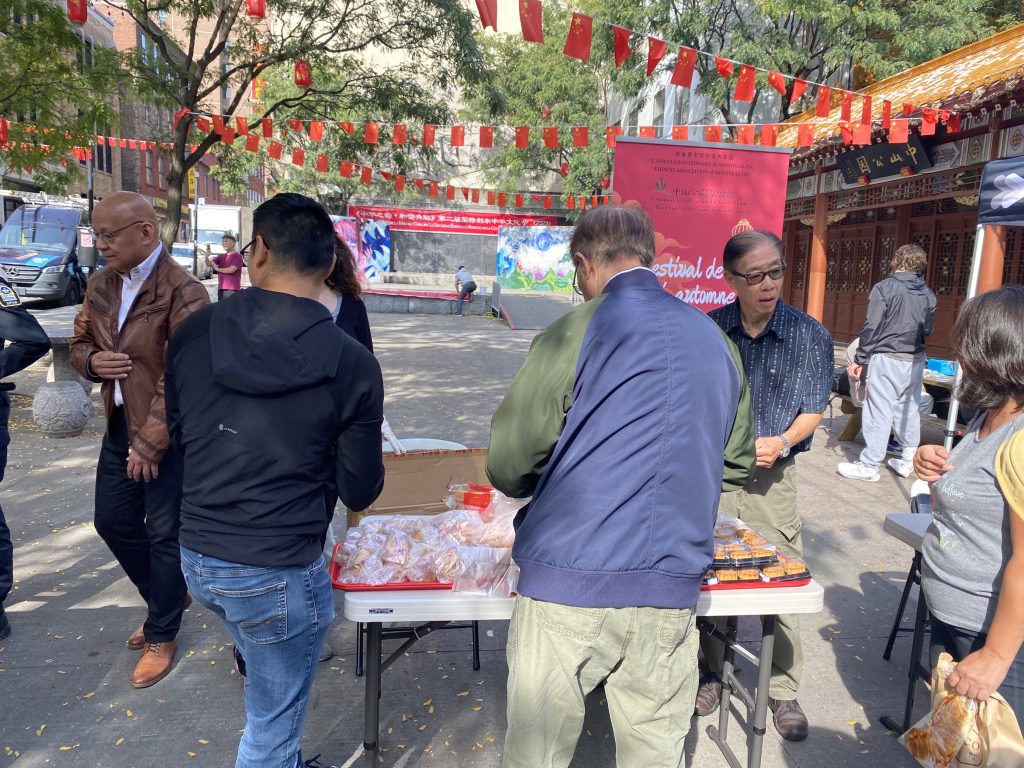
(270, 402)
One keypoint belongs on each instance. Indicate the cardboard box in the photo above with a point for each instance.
(415, 483)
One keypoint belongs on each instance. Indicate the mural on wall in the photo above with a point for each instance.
(535, 258)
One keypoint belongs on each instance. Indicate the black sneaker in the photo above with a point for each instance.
(5, 626)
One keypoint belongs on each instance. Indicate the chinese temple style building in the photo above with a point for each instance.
(849, 207)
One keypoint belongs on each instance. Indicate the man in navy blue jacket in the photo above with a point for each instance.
(270, 403)
(619, 425)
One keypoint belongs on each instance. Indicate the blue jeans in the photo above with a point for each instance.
(278, 618)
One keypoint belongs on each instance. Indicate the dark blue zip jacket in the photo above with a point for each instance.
(628, 419)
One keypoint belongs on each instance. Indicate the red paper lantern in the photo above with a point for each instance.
(564, 169)
(303, 73)
(256, 9)
(78, 11)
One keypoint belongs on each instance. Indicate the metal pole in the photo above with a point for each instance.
(972, 289)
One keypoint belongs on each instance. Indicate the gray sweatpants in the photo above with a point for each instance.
(893, 403)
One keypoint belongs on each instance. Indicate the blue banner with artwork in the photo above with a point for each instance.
(535, 258)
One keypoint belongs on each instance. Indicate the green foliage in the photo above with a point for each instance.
(50, 91)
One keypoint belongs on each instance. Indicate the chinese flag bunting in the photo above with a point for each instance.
(474, 195)
(428, 135)
(530, 15)
(298, 157)
(152, 145)
(745, 134)
(680, 132)
(296, 125)
(551, 137)
(399, 183)
(347, 127)
(593, 201)
(886, 115)
(647, 132)
(953, 124)
(778, 82)
(488, 13)
(218, 123)
(944, 115)
(769, 135)
(582, 202)
(799, 89)
(805, 133)
(366, 175)
(570, 202)
(622, 49)
(927, 129)
(345, 169)
(577, 44)
(610, 134)
(316, 130)
(123, 144)
(228, 135)
(179, 115)
(449, 192)
(419, 183)
(432, 189)
(502, 197)
(490, 197)
(465, 193)
(274, 150)
(581, 136)
(865, 112)
(252, 143)
(486, 137)
(847, 132)
(824, 103)
(133, 144)
(399, 135)
(519, 200)
(656, 50)
(908, 109)
(846, 106)
(267, 124)
(458, 136)
(899, 132)
(385, 175)
(204, 124)
(712, 133)
(929, 115)
(547, 202)
(303, 73)
(242, 126)
(724, 66)
(370, 133)
(862, 134)
(746, 83)
(682, 75)
(522, 136)
(322, 163)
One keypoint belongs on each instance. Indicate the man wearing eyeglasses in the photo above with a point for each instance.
(788, 359)
(130, 311)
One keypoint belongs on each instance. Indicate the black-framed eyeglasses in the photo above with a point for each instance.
(245, 251)
(112, 235)
(575, 284)
(756, 278)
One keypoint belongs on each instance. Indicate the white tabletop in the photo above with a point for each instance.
(908, 527)
(443, 605)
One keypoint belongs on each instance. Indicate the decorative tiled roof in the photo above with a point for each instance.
(964, 81)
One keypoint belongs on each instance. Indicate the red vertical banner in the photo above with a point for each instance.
(530, 17)
(522, 136)
(581, 34)
(399, 135)
(581, 136)
(610, 134)
(744, 134)
(298, 157)
(316, 130)
(371, 132)
(746, 84)
(886, 115)
(845, 105)
(551, 136)
(865, 110)
(458, 136)
(698, 197)
(682, 75)
(622, 49)
(428, 135)
(769, 135)
(486, 137)
(824, 101)
(656, 50)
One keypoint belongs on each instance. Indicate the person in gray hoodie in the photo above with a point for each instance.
(901, 314)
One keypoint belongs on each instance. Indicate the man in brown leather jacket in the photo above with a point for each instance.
(131, 309)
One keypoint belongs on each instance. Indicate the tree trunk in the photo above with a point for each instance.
(175, 177)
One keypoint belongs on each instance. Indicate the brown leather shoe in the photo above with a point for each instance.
(790, 720)
(709, 694)
(137, 640)
(155, 663)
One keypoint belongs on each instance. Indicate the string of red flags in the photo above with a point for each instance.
(580, 36)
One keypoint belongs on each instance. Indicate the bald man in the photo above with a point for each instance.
(131, 309)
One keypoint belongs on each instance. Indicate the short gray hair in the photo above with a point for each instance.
(611, 233)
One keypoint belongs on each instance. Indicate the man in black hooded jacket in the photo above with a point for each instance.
(269, 400)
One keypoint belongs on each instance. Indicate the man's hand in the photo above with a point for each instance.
(111, 365)
(930, 462)
(980, 674)
(141, 470)
(853, 370)
(768, 450)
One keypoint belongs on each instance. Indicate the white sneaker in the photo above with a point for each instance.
(858, 471)
(901, 467)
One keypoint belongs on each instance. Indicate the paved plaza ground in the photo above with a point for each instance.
(65, 699)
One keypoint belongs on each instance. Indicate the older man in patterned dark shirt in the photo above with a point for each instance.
(788, 359)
